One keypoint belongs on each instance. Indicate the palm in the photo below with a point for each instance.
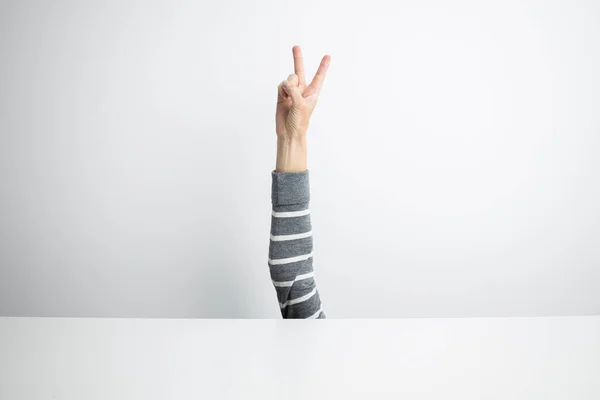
(295, 108)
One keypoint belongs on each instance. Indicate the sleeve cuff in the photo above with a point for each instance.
(289, 188)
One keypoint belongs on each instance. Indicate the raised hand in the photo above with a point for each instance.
(296, 102)
(295, 99)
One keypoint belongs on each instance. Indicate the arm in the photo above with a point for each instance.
(291, 246)
(291, 243)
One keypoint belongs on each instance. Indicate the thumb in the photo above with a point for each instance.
(292, 89)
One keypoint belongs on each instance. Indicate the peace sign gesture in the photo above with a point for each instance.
(296, 100)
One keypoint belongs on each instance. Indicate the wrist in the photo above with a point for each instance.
(291, 154)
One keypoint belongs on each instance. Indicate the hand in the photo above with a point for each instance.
(295, 100)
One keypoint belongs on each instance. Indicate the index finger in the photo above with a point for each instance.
(299, 65)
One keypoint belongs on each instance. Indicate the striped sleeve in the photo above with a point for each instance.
(291, 246)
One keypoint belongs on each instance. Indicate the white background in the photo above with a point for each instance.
(453, 156)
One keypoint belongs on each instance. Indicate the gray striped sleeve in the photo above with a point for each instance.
(291, 245)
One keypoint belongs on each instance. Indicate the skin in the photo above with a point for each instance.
(296, 102)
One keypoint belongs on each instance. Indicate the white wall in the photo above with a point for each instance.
(454, 156)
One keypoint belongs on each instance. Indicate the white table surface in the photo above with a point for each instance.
(469, 358)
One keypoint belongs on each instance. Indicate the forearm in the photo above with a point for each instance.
(291, 154)
(291, 241)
